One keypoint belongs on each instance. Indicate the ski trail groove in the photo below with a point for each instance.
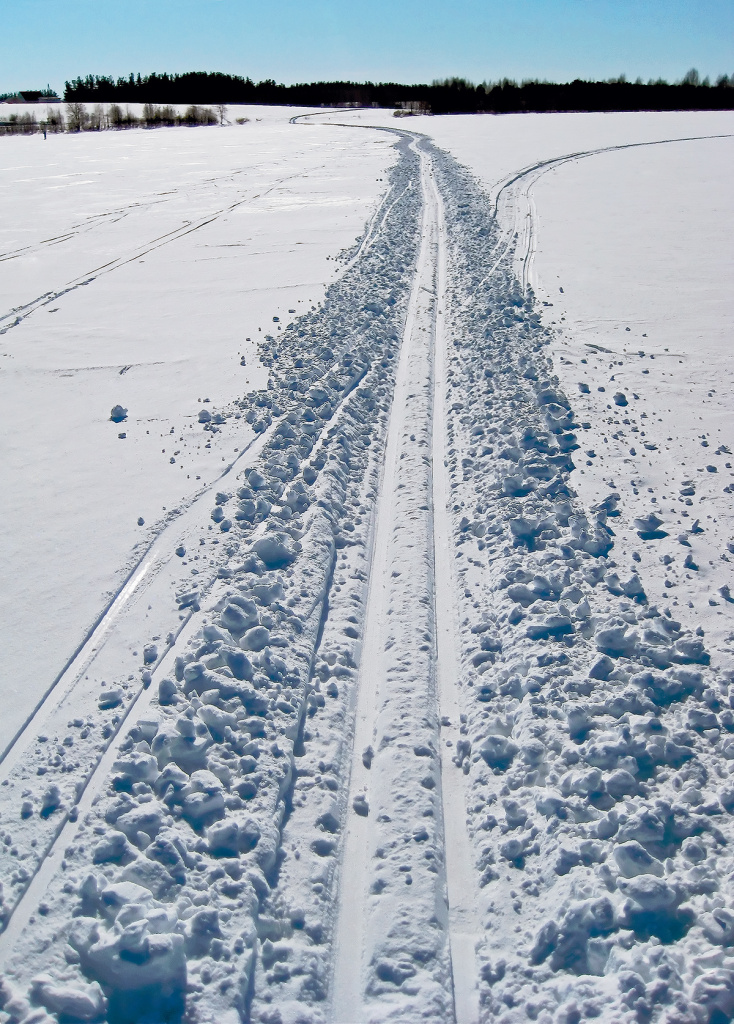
(156, 556)
(16, 316)
(464, 923)
(347, 982)
(21, 916)
(157, 561)
(407, 677)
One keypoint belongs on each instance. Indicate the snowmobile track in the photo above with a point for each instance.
(14, 317)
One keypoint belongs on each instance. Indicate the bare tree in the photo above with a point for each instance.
(691, 78)
(221, 110)
(76, 116)
(97, 118)
(54, 119)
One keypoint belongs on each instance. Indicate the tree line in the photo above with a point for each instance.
(77, 118)
(453, 95)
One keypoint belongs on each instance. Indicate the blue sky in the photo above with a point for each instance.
(410, 40)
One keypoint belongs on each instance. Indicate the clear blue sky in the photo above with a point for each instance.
(411, 41)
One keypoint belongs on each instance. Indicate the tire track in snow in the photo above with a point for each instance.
(465, 925)
(463, 921)
(347, 984)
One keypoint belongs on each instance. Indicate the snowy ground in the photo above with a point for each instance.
(430, 717)
(140, 268)
(651, 311)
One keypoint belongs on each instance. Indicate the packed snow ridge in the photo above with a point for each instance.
(204, 842)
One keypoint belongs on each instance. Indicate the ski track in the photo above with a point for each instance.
(418, 747)
(16, 316)
(158, 560)
(413, 701)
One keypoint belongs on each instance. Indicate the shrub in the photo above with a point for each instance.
(119, 118)
(20, 124)
(199, 115)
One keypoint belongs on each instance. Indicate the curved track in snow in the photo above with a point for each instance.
(516, 191)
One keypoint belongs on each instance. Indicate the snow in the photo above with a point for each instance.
(656, 296)
(425, 735)
(203, 239)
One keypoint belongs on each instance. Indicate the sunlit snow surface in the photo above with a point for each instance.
(639, 241)
(628, 246)
(175, 251)
(423, 710)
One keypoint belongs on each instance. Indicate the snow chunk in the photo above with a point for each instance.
(78, 1002)
(275, 549)
(633, 859)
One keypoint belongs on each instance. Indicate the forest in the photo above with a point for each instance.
(454, 95)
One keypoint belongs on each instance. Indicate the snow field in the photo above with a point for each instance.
(424, 746)
(343, 363)
(651, 316)
(143, 262)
